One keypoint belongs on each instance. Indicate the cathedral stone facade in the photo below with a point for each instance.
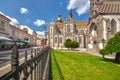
(104, 22)
(59, 31)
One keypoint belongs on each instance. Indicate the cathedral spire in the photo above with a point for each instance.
(71, 13)
(52, 20)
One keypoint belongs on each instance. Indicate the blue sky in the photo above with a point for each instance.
(36, 14)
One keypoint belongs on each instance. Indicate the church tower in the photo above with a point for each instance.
(93, 7)
(59, 19)
(93, 4)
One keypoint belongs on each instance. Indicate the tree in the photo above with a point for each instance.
(71, 44)
(113, 46)
(67, 44)
(104, 52)
(74, 44)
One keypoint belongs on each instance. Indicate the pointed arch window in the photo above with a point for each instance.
(113, 27)
(55, 39)
(60, 39)
(95, 31)
(79, 39)
(68, 28)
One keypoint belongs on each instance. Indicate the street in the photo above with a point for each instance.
(5, 59)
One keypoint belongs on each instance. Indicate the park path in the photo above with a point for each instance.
(93, 52)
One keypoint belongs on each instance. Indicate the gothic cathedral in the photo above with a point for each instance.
(104, 22)
(59, 31)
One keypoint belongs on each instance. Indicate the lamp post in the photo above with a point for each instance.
(103, 41)
(84, 39)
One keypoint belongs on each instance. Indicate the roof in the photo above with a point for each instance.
(60, 25)
(1, 15)
(109, 7)
(81, 24)
(78, 24)
(38, 38)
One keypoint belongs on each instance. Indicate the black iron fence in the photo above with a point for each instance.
(34, 67)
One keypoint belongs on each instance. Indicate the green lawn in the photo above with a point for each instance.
(82, 66)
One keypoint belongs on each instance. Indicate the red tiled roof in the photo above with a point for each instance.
(81, 24)
(60, 25)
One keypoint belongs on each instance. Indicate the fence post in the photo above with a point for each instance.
(25, 70)
(31, 71)
(26, 56)
(15, 61)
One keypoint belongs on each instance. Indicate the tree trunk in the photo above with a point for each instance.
(117, 57)
(103, 56)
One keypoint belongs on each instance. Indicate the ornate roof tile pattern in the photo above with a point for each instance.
(109, 7)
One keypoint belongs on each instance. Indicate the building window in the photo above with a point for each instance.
(13, 33)
(87, 32)
(113, 27)
(55, 39)
(81, 31)
(51, 30)
(76, 39)
(60, 40)
(68, 28)
(79, 39)
(2, 26)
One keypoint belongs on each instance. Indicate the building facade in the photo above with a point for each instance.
(104, 22)
(59, 31)
(4, 26)
(38, 41)
(15, 32)
(22, 34)
(34, 38)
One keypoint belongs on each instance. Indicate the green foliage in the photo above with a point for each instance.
(104, 51)
(67, 44)
(71, 44)
(74, 44)
(68, 40)
(113, 45)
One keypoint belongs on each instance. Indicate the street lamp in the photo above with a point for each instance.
(103, 41)
(84, 39)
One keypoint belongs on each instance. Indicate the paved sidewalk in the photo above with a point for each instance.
(93, 52)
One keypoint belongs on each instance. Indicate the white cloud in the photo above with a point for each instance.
(41, 33)
(39, 22)
(23, 11)
(81, 6)
(30, 31)
(13, 21)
